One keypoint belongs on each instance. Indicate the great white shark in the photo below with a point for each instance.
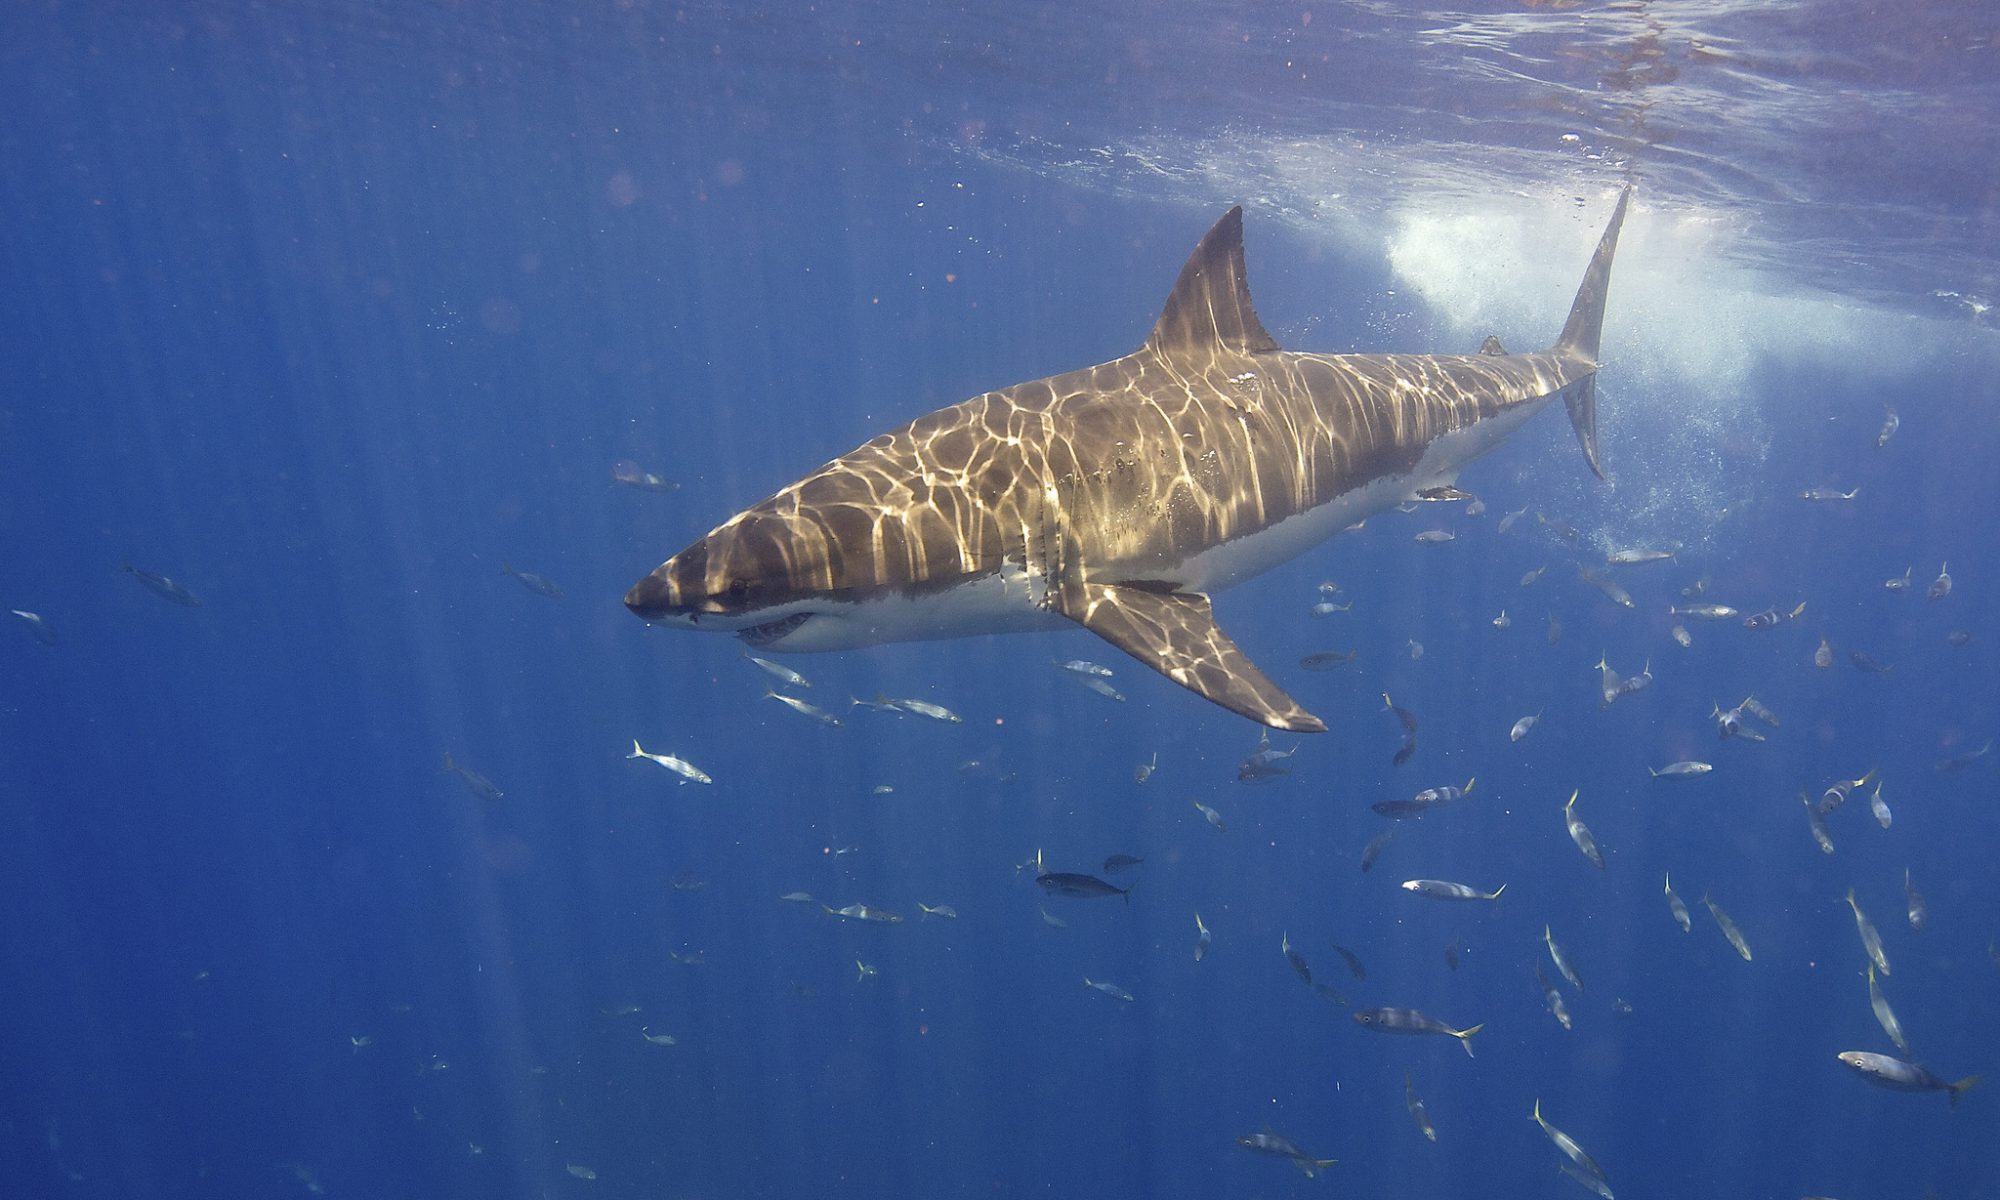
(1119, 496)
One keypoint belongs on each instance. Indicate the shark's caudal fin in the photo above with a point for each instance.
(1580, 335)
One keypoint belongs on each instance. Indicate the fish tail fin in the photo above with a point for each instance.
(1468, 784)
(1656, 774)
(1794, 614)
(1955, 1090)
(637, 750)
(1324, 1163)
(1582, 331)
(1497, 891)
(1464, 1037)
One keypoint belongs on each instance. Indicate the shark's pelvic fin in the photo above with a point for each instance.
(1210, 304)
(1175, 634)
(1580, 335)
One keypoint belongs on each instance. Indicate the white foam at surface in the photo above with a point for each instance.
(1691, 327)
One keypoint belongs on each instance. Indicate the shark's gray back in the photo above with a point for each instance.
(1136, 464)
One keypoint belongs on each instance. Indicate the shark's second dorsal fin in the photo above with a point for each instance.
(1210, 303)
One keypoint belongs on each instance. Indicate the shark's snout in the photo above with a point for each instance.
(650, 597)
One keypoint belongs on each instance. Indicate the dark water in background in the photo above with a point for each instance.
(327, 312)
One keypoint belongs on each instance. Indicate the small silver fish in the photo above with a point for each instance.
(1728, 927)
(1900, 1076)
(1327, 660)
(1098, 685)
(1592, 1174)
(1884, 1015)
(686, 770)
(1609, 586)
(1941, 586)
(1413, 1021)
(627, 472)
(541, 585)
(1553, 998)
(1444, 889)
(1619, 558)
(163, 587)
(1920, 913)
(1445, 493)
(1109, 989)
(1890, 424)
(1679, 910)
(1682, 770)
(1561, 960)
(37, 625)
(1702, 612)
(1418, 1113)
(929, 711)
(1079, 666)
(1817, 823)
(1523, 726)
(1871, 941)
(778, 671)
(1880, 807)
(1580, 834)
(479, 785)
(805, 708)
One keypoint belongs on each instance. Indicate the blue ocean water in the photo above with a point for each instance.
(329, 311)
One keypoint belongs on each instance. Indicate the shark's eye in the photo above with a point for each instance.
(738, 589)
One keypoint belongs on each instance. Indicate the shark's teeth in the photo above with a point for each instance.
(771, 631)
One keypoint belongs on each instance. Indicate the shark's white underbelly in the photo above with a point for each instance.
(1004, 602)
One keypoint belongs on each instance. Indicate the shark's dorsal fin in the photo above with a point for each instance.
(1210, 303)
(1492, 345)
(1175, 634)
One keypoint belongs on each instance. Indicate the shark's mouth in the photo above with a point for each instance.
(771, 631)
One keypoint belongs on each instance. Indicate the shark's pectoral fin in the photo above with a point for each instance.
(1175, 634)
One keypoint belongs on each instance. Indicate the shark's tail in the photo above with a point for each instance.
(1581, 332)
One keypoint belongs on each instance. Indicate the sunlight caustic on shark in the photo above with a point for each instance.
(1117, 497)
